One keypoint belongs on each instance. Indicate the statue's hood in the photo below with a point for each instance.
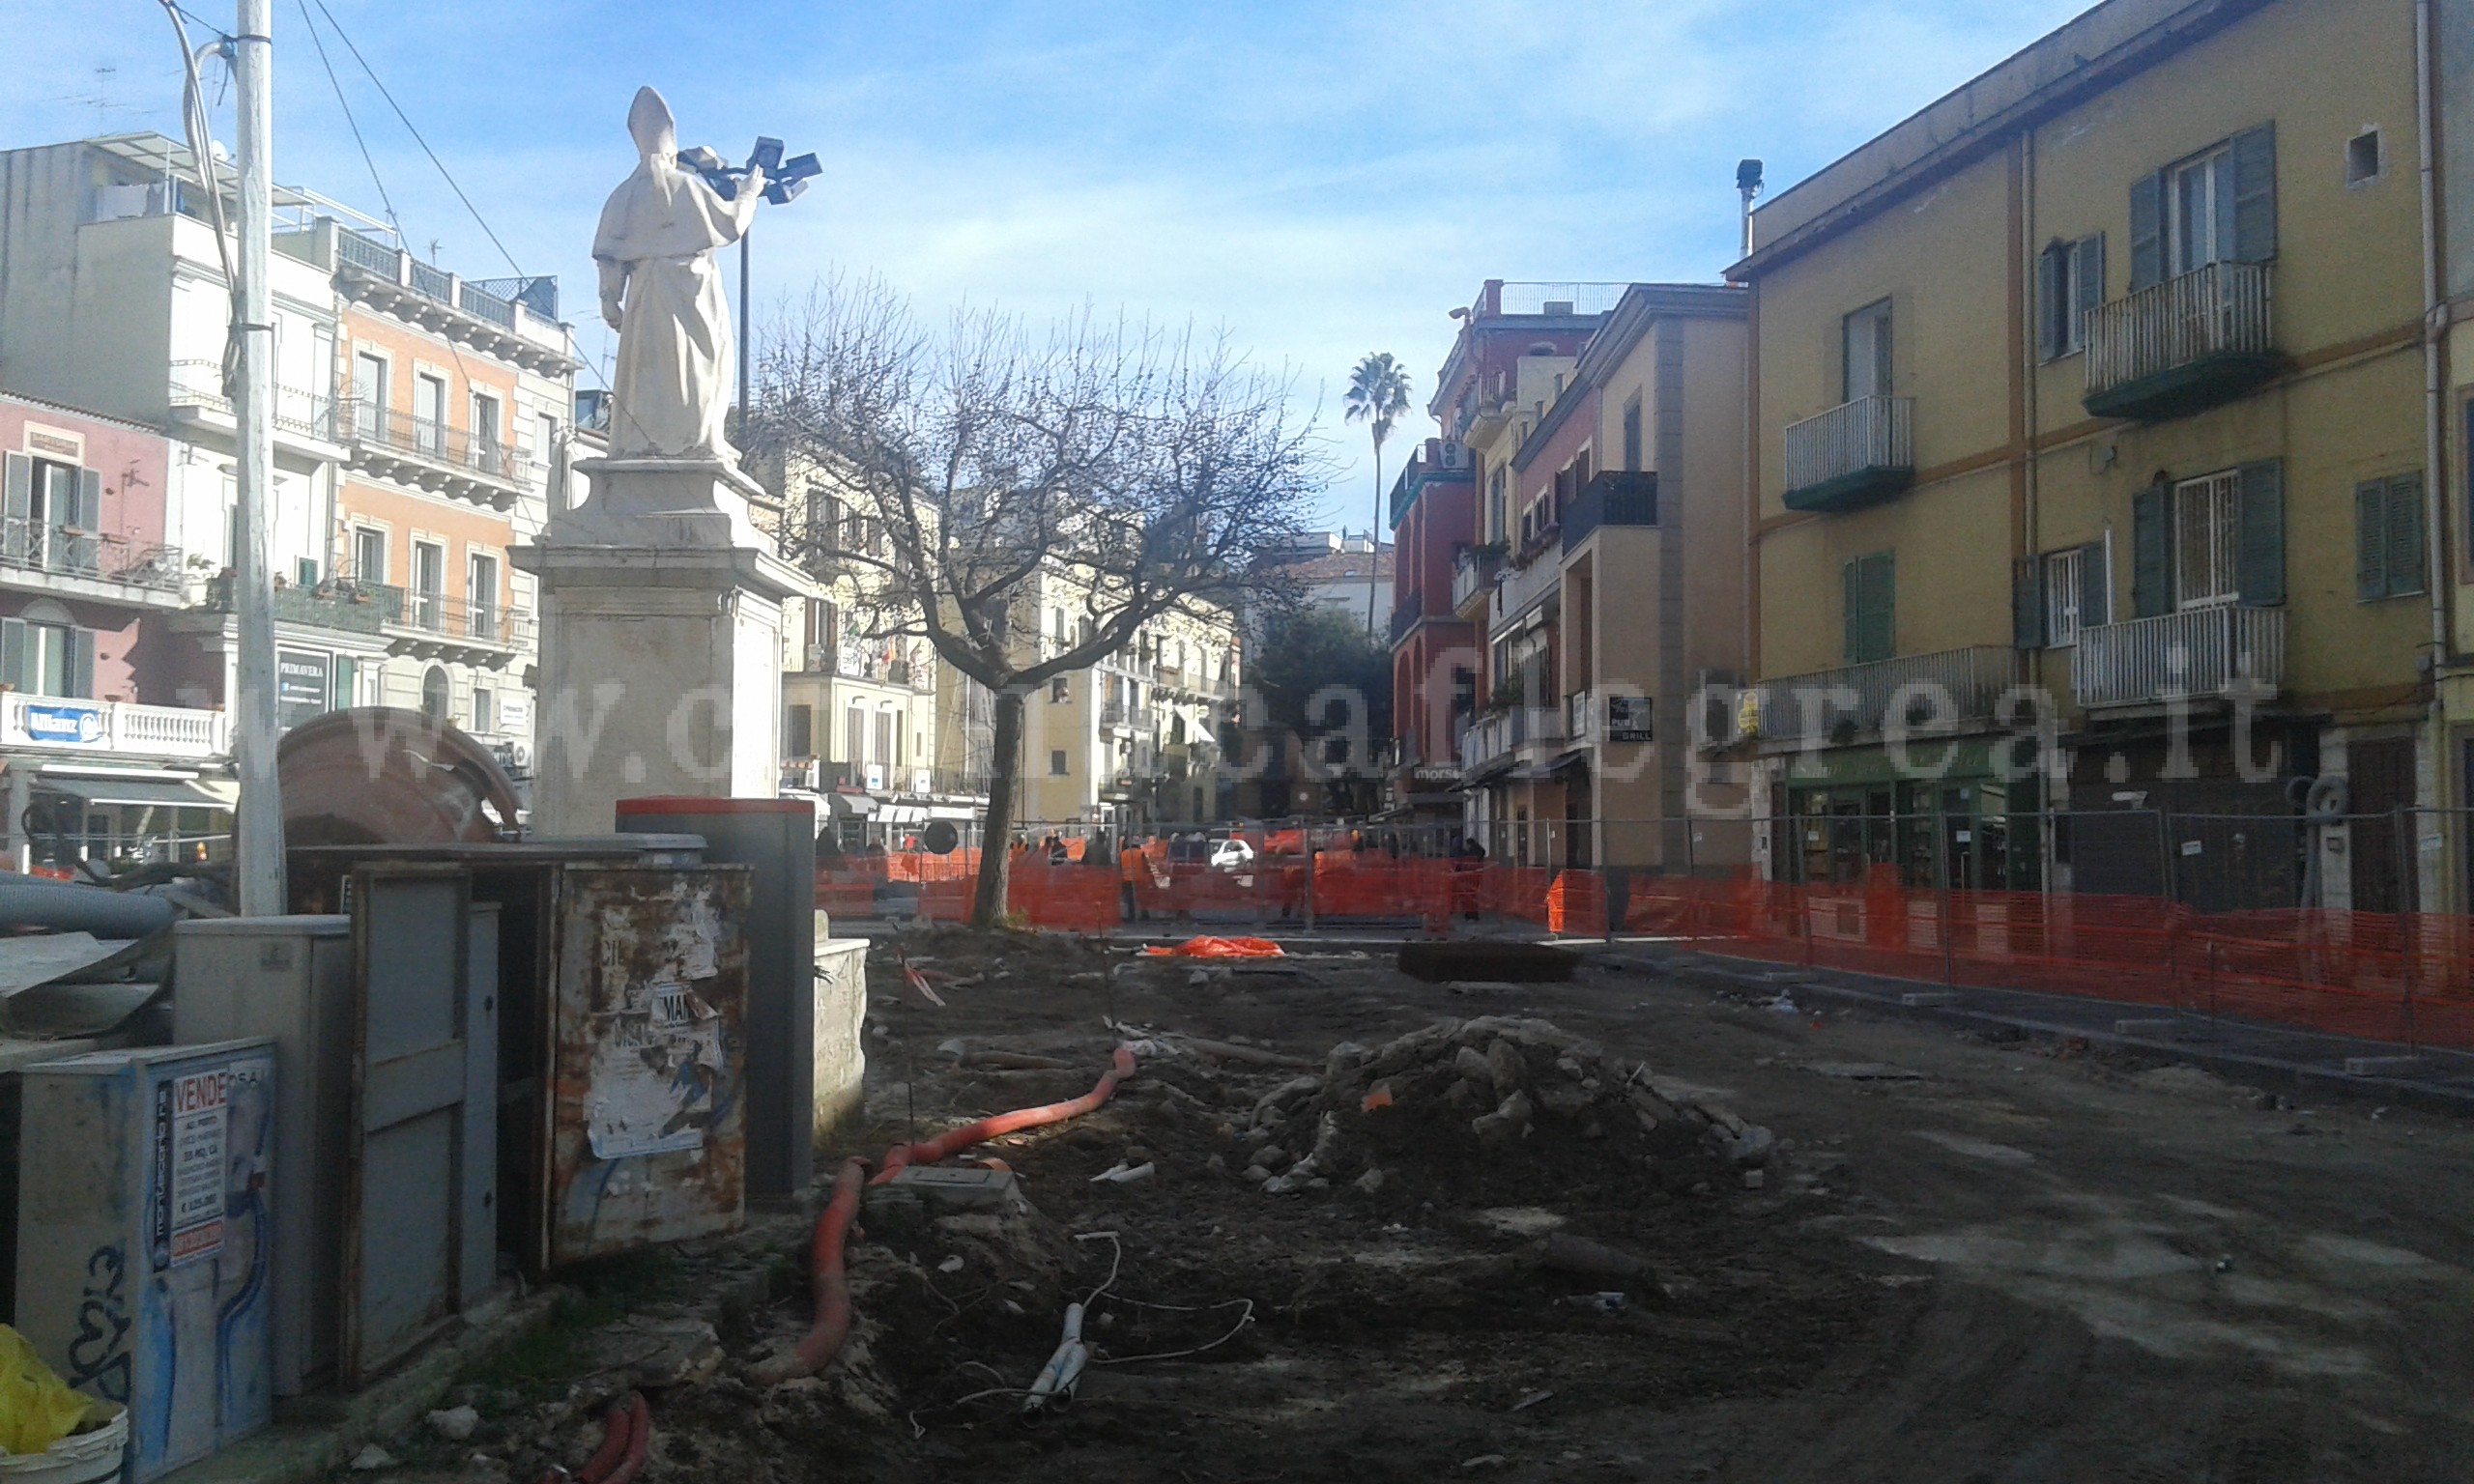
(650, 125)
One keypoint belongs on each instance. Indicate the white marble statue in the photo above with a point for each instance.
(662, 291)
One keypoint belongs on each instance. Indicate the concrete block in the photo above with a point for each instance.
(841, 1016)
(2383, 1065)
(2160, 1029)
(944, 1191)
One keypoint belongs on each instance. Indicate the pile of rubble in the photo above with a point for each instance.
(1499, 1106)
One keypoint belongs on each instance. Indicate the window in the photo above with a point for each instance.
(2218, 538)
(545, 436)
(1869, 596)
(485, 710)
(2070, 281)
(1495, 512)
(2074, 593)
(1056, 763)
(45, 653)
(1060, 691)
(798, 732)
(2388, 537)
(347, 690)
(2204, 538)
(481, 595)
(2365, 162)
(55, 513)
(854, 735)
(2218, 205)
(1865, 343)
(436, 700)
(1632, 435)
(368, 395)
(369, 553)
(487, 454)
(305, 572)
(886, 753)
(429, 584)
(429, 415)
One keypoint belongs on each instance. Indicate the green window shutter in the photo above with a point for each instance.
(2051, 325)
(1850, 609)
(2371, 540)
(2026, 603)
(21, 486)
(2151, 553)
(2147, 231)
(2253, 200)
(2405, 536)
(12, 654)
(90, 501)
(81, 663)
(2095, 586)
(2090, 254)
(2260, 526)
(1871, 604)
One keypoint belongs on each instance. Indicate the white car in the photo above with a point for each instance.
(1231, 855)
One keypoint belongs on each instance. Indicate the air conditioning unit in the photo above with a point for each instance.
(874, 778)
(919, 782)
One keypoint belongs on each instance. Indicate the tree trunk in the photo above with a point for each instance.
(996, 836)
(1374, 533)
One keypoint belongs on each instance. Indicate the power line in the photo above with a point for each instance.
(346, 38)
(349, 122)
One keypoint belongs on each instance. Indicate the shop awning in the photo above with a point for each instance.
(168, 792)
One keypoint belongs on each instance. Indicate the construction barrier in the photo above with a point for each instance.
(2383, 976)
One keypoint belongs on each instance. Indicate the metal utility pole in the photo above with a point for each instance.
(258, 847)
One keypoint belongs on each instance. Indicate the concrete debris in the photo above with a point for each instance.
(455, 1424)
(372, 1458)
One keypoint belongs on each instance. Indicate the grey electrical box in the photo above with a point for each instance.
(290, 979)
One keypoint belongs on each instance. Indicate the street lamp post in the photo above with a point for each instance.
(785, 179)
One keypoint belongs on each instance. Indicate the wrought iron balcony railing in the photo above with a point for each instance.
(2221, 652)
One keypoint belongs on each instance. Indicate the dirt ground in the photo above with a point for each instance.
(1964, 1258)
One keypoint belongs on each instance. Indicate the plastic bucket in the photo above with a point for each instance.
(89, 1457)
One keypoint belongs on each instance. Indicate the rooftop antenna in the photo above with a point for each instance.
(1748, 185)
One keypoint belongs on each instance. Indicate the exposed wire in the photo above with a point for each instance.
(349, 122)
(1242, 1320)
(345, 37)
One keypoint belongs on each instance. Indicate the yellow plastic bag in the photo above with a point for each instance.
(37, 1407)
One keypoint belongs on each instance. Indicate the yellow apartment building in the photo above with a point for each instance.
(2091, 469)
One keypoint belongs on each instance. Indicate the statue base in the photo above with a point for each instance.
(661, 644)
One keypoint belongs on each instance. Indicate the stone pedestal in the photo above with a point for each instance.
(661, 642)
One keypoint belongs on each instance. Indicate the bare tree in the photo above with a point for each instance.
(1146, 467)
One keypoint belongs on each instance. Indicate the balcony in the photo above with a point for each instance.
(115, 728)
(2184, 345)
(1520, 589)
(1473, 578)
(303, 421)
(430, 625)
(33, 546)
(1851, 456)
(515, 320)
(1614, 498)
(2222, 653)
(340, 604)
(1116, 713)
(433, 456)
(1946, 688)
(1405, 616)
(1498, 735)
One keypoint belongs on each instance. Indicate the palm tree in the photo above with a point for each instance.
(1378, 394)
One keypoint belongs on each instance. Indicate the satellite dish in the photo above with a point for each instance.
(940, 836)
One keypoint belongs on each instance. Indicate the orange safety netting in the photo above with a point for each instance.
(1207, 947)
(2385, 976)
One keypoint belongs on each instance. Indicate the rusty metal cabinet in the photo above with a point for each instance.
(646, 1118)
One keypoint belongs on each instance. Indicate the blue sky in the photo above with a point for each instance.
(1320, 181)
